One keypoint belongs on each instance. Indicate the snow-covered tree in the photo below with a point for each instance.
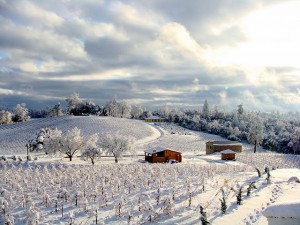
(295, 140)
(146, 114)
(117, 145)
(240, 109)
(137, 112)
(72, 143)
(112, 108)
(73, 100)
(20, 113)
(92, 150)
(205, 111)
(56, 110)
(256, 132)
(47, 140)
(5, 117)
(124, 109)
(51, 142)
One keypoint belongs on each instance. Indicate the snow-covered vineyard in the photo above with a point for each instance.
(55, 191)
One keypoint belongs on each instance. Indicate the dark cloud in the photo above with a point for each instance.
(107, 49)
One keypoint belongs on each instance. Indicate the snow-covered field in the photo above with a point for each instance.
(52, 191)
(14, 137)
(186, 141)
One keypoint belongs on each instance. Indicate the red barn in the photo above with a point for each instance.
(162, 155)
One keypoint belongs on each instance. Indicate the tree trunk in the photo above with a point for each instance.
(116, 160)
(70, 156)
(92, 161)
(255, 143)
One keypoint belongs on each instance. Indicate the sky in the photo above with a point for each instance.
(152, 53)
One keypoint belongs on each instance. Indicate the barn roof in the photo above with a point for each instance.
(158, 149)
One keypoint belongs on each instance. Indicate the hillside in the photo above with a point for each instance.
(14, 137)
(160, 193)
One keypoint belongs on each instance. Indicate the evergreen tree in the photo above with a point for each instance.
(205, 111)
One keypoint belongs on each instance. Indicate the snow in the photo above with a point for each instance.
(154, 117)
(14, 137)
(287, 209)
(155, 149)
(228, 144)
(227, 151)
(135, 186)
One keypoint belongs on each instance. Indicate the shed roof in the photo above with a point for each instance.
(228, 144)
(158, 149)
(228, 151)
(154, 117)
(224, 143)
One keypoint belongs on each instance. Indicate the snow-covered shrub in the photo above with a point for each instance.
(71, 218)
(14, 158)
(223, 203)
(268, 175)
(168, 206)
(4, 158)
(250, 188)
(5, 117)
(239, 196)
(9, 220)
(258, 172)
(203, 216)
(294, 179)
(33, 216)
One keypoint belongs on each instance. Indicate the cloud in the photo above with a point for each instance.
(149, 52)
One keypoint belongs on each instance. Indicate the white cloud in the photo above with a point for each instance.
(225, 51)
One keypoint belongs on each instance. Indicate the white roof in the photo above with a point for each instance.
(157, 149)
(225, 143)
(232, 144)
(227, 151)
(154, 117)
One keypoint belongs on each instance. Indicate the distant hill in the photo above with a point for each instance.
(14, 137)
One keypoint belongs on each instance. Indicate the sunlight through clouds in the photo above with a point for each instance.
(174, 52)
